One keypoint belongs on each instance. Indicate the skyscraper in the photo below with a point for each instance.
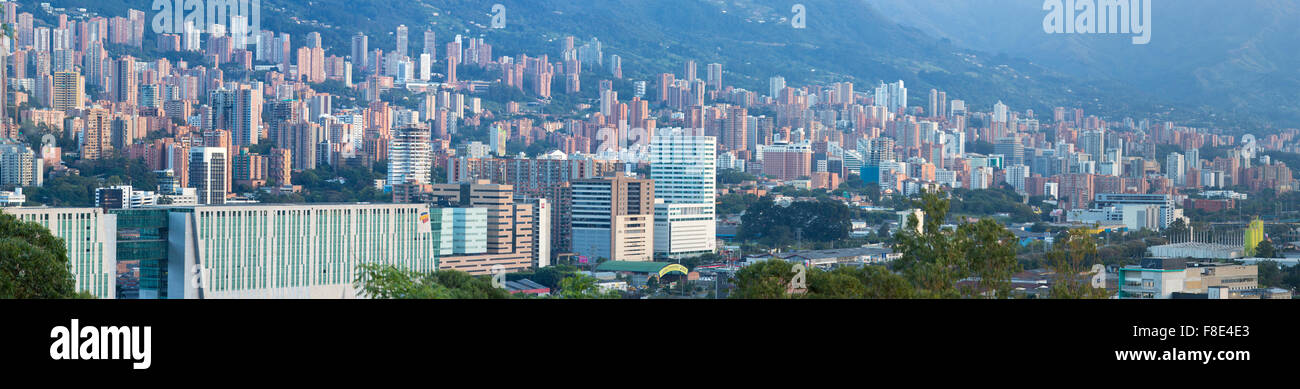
(4, 81)
(360, 46)
(246, 119)
(1093, 143)
(451, 70)
(1176, 169)
(410, 157)
(403, 45)
(1012, 151)
(431, 44)
(892, 96)
(736, 129)
(209, 168)
(69, 91)
(124, 81)
(775, 85)
(715, 76)
(97, 141)
(934, 103)
(684, 170)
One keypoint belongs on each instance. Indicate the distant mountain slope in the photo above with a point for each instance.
(1240, 56)
(845, 40)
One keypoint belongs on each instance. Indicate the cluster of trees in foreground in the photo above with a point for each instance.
(934, 262)
(391, 282)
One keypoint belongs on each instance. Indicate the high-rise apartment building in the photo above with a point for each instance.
(1176, 169)
(788, 161)
(19, 165)
(431, 43)
(246, 119)
(892, 96)
(410, 157)
(97, 141)
(68, 91)
(124, 86)
(736, 129)
(714, 76)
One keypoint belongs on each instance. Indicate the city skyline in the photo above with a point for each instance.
(584, 152)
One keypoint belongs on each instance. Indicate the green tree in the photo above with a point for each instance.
(1270, 274)
(936, 259)
(769, 279)
(1177, 229)
(812, 221)
(1071, 260)
(581, 286)
(990, 255)
(1265, 249)
(869, 282)
(932, 258)
(33, 263)
(390, 282)
(550, 276)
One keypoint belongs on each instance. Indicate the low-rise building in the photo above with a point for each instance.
(1166, 278)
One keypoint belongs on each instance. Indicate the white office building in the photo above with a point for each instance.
(293, 250)
(684, 169)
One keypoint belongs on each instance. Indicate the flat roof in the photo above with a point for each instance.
(639, 267)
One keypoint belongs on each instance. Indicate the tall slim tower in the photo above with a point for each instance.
(431, 44)
(124, 81)
(715, 76)
(684, 169)
(4, 81)
(403, 45)
(360, 46)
